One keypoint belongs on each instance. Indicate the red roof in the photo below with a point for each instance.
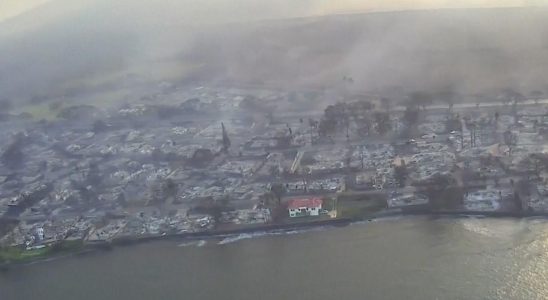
(304, 202)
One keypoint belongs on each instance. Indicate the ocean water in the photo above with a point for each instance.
(396, 258)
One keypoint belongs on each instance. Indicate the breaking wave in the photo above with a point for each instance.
(239, 237)
(199, 243)
(245, 236)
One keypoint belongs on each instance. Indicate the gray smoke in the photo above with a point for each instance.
(63, 49)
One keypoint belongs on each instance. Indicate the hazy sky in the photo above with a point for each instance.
(62, 46)
(11, 8)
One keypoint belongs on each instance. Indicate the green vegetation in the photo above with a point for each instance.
(359, 206)
(41, 111)
(329, 203)
(19, 254)
(358, 212)
(353, 212)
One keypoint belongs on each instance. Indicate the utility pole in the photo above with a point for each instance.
(361, 156)
(226, 140)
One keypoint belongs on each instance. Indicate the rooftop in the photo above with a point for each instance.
(304, 202)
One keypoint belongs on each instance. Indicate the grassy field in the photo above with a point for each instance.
(40, 111)
(357, 207)
(20, 254)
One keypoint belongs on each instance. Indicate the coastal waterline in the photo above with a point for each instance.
(411, 257)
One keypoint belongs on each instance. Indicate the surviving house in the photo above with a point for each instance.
(304, 207)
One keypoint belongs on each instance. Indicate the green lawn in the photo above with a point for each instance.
(357, 208)
(19, 254)
(40, 111)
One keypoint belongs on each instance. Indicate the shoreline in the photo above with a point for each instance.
(90, 247)
(211, 234)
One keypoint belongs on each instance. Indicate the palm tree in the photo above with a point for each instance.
(536, 95)
(278, 190)
(449, 97)
(420, 99)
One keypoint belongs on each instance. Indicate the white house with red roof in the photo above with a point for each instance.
(304, 207)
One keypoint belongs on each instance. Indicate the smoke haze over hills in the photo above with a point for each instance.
(62, 46)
